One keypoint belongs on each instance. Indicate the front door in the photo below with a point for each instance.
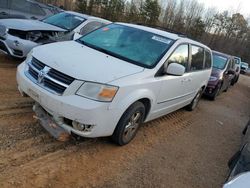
(174, 92)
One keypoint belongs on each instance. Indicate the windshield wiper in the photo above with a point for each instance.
(56, 25)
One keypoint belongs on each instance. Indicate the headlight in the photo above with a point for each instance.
(96, 91)
(33, 35)
(213, 78)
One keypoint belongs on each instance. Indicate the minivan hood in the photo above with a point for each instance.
(216, 72)
(84, 63)
(28, 25)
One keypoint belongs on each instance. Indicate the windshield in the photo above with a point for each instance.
(130, 44)
(64, 20)
(219, 61)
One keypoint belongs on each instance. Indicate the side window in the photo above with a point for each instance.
(208, 59)
(230, 64)
(197, 58)
(36, 9)
(91, 26)
(20, 5)
(3, 3)
(180, 55)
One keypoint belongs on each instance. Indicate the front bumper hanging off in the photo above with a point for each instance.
(49, 124)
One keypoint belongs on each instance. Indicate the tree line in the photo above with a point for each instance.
(222, 31)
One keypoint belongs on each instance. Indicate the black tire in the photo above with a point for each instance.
(229, 84)
(217, 92)
(237, 79)
(195, 101)
(126, 130)
(233, 81)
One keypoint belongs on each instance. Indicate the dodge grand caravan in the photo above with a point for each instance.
(113, 79)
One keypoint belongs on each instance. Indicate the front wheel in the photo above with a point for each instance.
(129, 124)
(195, 101)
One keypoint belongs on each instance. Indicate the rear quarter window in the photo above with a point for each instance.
(197, 59)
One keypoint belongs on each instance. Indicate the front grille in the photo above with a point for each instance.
(17, 52)
(60, 76)
(38, 64)
(48, 78)
(3, 47)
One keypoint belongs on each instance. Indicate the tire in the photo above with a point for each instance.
(233, 81)
(129, 124)
(195, 101)
(216, 93)
(229, 84)
(237, 79)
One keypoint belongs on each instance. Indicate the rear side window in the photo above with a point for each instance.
(3, 3)
(180, 55)
(197, 58)
(26, 6)
(35, 9)
(91, 26)
(20, 5)
(208, 60)
(230, 64)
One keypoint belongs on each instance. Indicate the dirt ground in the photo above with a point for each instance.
(182, 149)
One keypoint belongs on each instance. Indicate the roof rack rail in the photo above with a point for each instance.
(164, 29)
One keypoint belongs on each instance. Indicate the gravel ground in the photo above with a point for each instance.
(182, 149)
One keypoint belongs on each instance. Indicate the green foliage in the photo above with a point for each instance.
(221, 31)
(197, 29)
(150, 12)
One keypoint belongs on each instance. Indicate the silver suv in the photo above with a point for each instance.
(27, 9)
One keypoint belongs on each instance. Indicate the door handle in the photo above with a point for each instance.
(186, 80)
(3, 13)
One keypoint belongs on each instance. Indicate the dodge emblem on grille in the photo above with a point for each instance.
(42, 74)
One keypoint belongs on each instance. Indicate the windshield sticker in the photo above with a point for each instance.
(223, 58)
(105, 29)
(79, 18)
(161, 39)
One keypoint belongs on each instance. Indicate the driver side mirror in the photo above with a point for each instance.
(174, 69)
(76, 36)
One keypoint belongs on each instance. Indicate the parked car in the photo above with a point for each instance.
(222, 74)
(239, 164)
(244, 68)
(237, 64)
(240, 181)
(26, 9)
(19, 36)
(111, 80)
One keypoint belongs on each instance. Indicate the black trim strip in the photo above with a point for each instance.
(176, 98)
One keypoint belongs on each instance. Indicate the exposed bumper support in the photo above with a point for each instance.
(47, 122)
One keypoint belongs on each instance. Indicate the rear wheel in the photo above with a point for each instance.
(195, 101)
(129, 124)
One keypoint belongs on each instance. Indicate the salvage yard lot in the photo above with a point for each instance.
(182, 149)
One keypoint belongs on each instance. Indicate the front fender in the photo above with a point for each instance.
(122, 103)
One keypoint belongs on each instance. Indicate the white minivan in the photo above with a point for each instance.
(111, 80)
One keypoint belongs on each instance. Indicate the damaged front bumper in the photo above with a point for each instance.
(49, 124)
(70, 111)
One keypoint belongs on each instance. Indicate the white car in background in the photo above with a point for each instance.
(111, 80)
(19, 36)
